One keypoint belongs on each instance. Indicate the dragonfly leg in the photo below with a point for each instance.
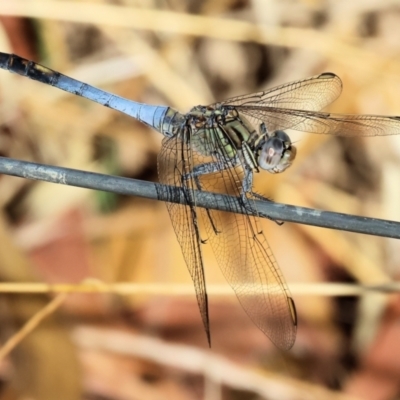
(263, 130)
(204, 169)
(247, 190)
(209, 168)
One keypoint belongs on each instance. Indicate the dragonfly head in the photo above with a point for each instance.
(276, 153)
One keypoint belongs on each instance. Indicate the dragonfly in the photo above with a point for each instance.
(218, 148)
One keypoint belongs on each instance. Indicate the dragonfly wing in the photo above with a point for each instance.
(325, 123)
(312, 94)
(174, 161)
(246, 260)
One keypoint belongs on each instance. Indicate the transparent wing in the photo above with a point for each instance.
(245, 257)
(325, 123)
(174, 162)
(297, 106)
(311, 94)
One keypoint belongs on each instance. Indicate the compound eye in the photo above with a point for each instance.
(288, 156)
(284, 137)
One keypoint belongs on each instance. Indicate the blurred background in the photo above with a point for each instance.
(136, 332)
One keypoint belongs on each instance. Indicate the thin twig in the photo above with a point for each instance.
(150, 190)
(174, 289)
(32, 323)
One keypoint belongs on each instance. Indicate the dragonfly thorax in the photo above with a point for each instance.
(218, 129)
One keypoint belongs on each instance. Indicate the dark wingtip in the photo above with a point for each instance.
(328, 75)
(206, 322)
(293, 311)
(208, 338)
(331, 75)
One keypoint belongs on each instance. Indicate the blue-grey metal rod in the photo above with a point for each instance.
(155, 191)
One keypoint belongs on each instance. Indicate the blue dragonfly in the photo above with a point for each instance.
(218, 148)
